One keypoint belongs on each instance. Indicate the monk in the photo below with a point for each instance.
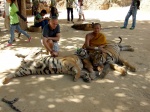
(94, 41)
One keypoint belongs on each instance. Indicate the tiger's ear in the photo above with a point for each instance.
(77, 50)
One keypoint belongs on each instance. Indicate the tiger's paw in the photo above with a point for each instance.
(6, 80)
(92, 75)
(86, 78)
(102, 75)
(124, 72)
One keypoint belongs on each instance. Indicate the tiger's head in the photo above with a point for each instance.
(82, 53)
(97, 58)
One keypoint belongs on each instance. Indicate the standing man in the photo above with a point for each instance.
(132, 11)
(6, 15)
(69, 5)
(51, 36)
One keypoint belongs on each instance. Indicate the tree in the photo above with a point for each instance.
(22, 8)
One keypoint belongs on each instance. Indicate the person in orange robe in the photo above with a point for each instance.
(94, 41)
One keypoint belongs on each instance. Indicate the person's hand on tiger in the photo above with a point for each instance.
(101, 49)
(54, 54)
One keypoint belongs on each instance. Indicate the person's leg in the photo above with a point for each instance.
(68, 14)
(88, 66)
(38, 24)
(48, 45)
(23, 32)
(55, 49)
(43, 23)
(126, 19)
(79, 18)
(71, 9)
(82, 13)
(134, 12)
(83, 17)
(79, 14)
(12, 30)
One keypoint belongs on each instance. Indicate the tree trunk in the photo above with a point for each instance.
(22, 10)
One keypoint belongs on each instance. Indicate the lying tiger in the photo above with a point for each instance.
(85, 27)
(111, 58)
(49, 65)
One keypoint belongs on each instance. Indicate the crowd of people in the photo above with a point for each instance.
(51, 28)
(49, 25)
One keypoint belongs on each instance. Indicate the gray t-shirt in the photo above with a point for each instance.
(48, 32)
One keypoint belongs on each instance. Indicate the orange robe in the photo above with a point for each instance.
(98, 40)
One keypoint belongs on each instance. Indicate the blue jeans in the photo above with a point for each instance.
(42, 23)
(133, 12)
(12, 30)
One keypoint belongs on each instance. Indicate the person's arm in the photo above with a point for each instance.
(55, 38)
(21, 16)
(41, 19)
(87, 42)
(76, 3)
(138, 4)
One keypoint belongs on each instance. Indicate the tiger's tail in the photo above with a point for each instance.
(120, 40)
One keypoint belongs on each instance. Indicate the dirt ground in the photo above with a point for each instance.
(58, 93)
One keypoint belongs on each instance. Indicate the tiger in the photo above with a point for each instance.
(111, 58)
(100, 61)
(85, 27)
(71, 64)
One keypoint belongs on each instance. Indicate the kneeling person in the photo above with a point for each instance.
(51, 36)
